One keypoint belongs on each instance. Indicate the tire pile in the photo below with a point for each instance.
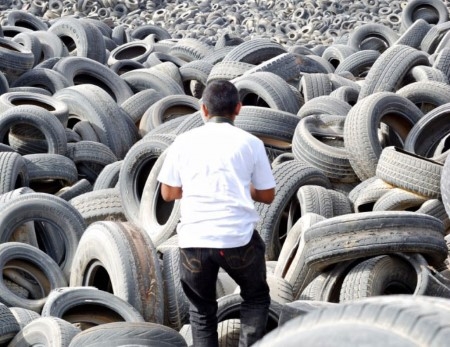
(351, 101)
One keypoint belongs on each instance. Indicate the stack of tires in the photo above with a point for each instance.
(356, 132)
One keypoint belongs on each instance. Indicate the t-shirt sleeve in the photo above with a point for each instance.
(169, 173)
(262, 177)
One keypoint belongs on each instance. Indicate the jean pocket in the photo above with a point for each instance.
(190, 259)
(240, 257)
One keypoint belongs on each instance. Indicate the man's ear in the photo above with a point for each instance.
(238, 108)
(204, 110)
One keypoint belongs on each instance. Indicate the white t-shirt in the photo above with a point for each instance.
(215, 164)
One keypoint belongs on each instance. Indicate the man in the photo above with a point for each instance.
(218, 170)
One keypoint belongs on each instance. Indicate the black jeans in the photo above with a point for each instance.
(246, 265)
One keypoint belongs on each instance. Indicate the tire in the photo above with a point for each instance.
(255, 51)
(165, 109)
(141, 79)
(324, 105)
(363, 36)
(82, 106)
(52, 48)
(381, 275)
(361, 126)
(228, 70)
(229, 308)
(398, 199)
(157, 217)
(25, 19)
(274, 127)
(414, 34)
(326, 241)
(190, 49)
(31, 268)
(24, 316)
(111, 256)
(48, 331)
(109, 176)
(327, 285)
(99, 205)
(332, 159)
(405, 170)
(56, 167)
(426, 92)
(289, 177)
(85, 131)
(358, 63)
(284, 65)
(31, 43)
(42, 77)
(299, 308)
(272, 89)
(425, 136)
(40, 118)
(136, 105)
(80, 187)
(370, 194)
(8, 325)
(373, 315)
(82, 35)
(64, 219)
(14, 59)
(412, 11)
(81, 70)
(315, 85)
(436, 208)
(14, 173)
(88, 307)
(136, 334)
(137, 51)
(315, 199)
(389, 70)
(176, 304)
(135, 171)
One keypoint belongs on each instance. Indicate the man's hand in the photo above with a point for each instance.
(170, 193)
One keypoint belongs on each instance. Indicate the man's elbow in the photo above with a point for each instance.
(265, 196)
(169, 193)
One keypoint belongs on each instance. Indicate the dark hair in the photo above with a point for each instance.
(220, 98)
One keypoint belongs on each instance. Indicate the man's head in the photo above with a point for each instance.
(220, 98)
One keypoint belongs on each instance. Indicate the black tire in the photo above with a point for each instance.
(40, 118)
(398, 199)
(309, 146)
(414, 34)
(15, 59)
(315, 199)
(22, 262)
(109, 176)
(361, 128)
(158, 217)
(324, 105)
(80, 187)
(8, 325)
(413, 9)
(81, 70)
(229, 308)
(176, 304)
(56, 167)
(88, 307)
(46, 331)
(141, 79)
(14, 173)
(284, 65)
(326, 242)
(136, 334)
(80, 37)
(389, 70)
(289, 177)
(44, 78)
(46, 208)
(99, 205)
(135, 171)
(255, 51)
(315, 85)
(110, 256)
(384, 37)
(272, 89)
(426, 93)
(24, 316)
(425, 136)
(136, 105)
(410, 172)
(381, 275)
(137, 51)
(359, 63)
(413, 314)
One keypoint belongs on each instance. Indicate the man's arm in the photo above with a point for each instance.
(170, 193)
(265, 196)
